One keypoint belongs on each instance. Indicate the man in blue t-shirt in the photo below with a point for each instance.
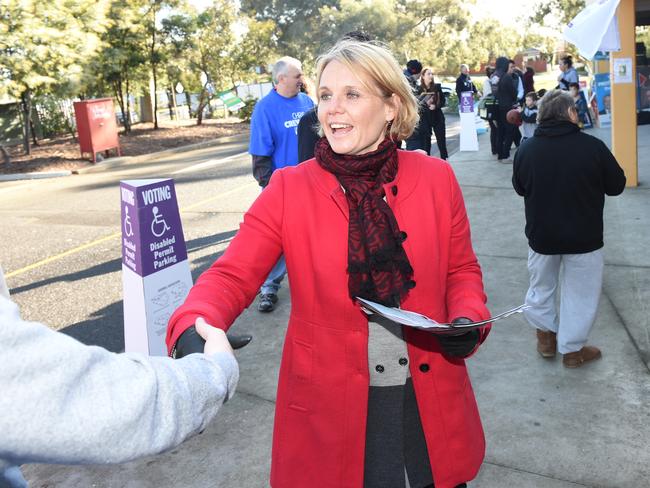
(274, 144)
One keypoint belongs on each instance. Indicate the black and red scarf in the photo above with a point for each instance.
(378, 267)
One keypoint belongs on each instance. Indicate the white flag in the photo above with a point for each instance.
(595, 29)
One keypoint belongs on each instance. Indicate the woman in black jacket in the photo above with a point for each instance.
(432, 100)
(507, 98)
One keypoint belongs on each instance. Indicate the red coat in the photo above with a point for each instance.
(320, 417)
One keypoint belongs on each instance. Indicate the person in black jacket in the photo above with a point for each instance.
(563, 175)
(464, 83)
(431, 99)
(507, 98)
(307, 135)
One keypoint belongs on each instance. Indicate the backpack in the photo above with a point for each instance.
(488, 108)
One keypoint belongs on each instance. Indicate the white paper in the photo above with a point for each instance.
(622, 70)
(419, 321)
(595, 28)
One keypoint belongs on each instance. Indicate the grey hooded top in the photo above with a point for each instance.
(67, 403)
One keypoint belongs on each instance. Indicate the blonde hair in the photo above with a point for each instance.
(380, 67)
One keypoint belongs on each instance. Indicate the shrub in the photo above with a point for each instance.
(246, 112)
(53, 120)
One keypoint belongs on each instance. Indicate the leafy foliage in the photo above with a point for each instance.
(45, 47)
(557, 12)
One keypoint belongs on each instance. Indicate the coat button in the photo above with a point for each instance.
(379, 368)
(424, 367)
(403, 235)
(403, 361)
(410, 284)
(393, 189)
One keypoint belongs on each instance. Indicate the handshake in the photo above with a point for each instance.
(202, 337)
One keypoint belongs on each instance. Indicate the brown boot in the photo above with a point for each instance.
(546, 343)
(578, 358)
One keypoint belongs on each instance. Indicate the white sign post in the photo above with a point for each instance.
(468, 137)
(155, 270)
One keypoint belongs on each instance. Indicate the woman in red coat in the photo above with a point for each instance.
(361, 402)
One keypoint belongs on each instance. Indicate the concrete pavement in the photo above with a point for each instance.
(546, 426)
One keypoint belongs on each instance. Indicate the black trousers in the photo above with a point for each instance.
(440, 131)
(506, 131)
(494, 137)
(516, 136)
(421, 138)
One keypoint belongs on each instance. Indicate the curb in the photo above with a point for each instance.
(34, 176)
(114, 162)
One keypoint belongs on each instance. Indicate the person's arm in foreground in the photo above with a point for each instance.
(67, 403)
(230, 285)
(465, 295)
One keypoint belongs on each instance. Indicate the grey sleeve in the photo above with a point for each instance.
(64, 402)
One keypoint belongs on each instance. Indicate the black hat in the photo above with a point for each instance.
(414, 66)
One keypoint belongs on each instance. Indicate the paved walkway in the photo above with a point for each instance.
(546, 426)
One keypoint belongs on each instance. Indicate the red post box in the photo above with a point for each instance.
(96, 126)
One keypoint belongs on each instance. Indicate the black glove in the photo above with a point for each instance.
(459, 346)
(190, 342)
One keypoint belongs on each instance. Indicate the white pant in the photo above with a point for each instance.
(580, 279)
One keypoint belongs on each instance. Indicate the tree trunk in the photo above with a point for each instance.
(27, 110)
(155, 98)
(200, 107)
(128, 104)
(117, 88)
(153, 68)
(5, 155)
(171, 103)
(188, 100)
(33, 131)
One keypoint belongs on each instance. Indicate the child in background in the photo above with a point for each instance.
(529, 116)
(581, 104)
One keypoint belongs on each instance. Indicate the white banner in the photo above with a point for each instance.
(595, 29)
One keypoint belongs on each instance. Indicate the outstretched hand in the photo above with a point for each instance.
(215, 338)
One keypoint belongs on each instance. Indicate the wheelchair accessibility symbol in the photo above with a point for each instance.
(128, 227)
(158, 225)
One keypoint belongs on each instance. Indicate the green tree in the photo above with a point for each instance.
(296, 21)
(382, 20)
(257, 48)
(206, 41)
(154, 44)
(556, 13)
(178, 31)
(119, 65)
(45, 46)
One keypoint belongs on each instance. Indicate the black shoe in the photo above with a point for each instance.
(267, 302)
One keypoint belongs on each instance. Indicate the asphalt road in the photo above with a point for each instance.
(80, 293)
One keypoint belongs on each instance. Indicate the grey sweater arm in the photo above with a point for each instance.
(64, 402)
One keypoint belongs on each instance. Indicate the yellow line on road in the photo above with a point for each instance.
(94, 243)
(61, 255)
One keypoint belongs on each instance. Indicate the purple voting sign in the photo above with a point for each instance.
(152, 234)
(466, 102)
